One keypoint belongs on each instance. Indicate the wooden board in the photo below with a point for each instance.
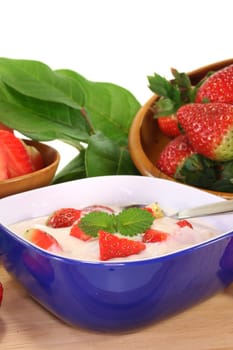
(26, 325)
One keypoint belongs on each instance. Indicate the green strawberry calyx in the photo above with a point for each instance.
(197, 170)
(172, 93)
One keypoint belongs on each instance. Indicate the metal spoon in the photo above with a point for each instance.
(203, 210)
(208, 209)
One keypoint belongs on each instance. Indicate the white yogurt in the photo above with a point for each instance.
(73, 247)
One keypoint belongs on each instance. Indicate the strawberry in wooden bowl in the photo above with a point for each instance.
(185, 133)
(24, 164)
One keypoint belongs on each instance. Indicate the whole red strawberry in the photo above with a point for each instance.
(174, 154)
(218, 87)
(209, 128)
(171, 95)
(169, 126)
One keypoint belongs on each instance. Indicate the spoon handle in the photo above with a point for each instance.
(209, 209)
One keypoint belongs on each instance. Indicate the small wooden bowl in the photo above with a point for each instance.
(36, 179)
(146, 140)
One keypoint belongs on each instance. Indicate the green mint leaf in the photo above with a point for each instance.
(133, 221)
(94, 221)
(75, 169)
(128, 222)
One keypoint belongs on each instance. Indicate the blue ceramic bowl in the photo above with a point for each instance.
(111, 296)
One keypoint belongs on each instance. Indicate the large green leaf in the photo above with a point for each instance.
(74, 170)
(47, 105)
(36, 79)
(42, 121)
(110, 107)
(47, 93)
(104, 156)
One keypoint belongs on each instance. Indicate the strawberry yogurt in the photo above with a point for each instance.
(178, 237)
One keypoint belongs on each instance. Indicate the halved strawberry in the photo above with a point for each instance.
(63, 217)
(17, 158)
(112, 246)
(4, 127)
(152, 235)
(183, 223)
(1, 293)
(35, 156)
(76, 231)
(42, 239)
(3, 165)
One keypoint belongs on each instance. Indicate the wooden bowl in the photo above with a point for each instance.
(36, 179)
(146, 140)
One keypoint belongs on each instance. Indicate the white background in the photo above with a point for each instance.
(121, 41)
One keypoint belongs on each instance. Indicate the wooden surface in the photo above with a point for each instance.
(26, 325)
